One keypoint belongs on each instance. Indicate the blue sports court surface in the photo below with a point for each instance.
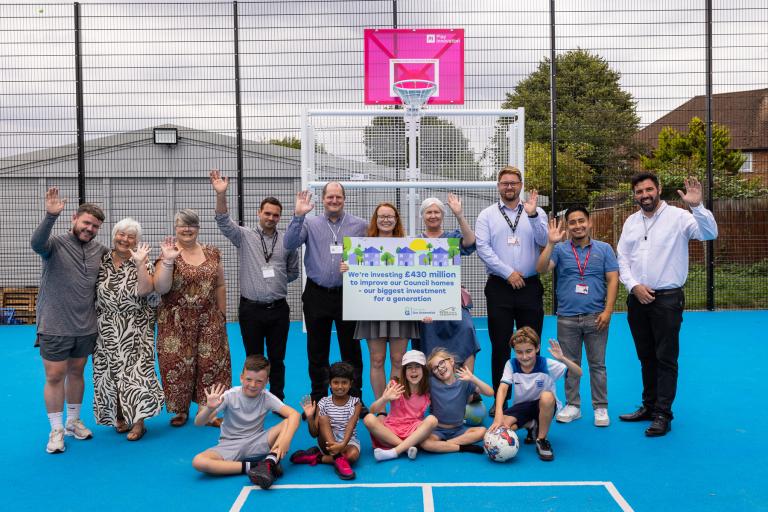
(714, 458)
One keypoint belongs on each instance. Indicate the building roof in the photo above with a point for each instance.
(745, 113)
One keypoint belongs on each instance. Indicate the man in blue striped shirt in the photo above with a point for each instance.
(323, 237)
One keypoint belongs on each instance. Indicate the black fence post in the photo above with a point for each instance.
(710, 244)
(553, 130)
(238, 119)
(79, 111)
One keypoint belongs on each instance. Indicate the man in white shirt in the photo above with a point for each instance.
(509, 235)
(653, 265)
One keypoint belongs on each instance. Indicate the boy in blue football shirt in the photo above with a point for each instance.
(534, 399)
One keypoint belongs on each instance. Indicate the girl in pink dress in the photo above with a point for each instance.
(405, 427)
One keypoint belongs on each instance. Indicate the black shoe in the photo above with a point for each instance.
(264, 473)
(642, 414)
(544, 449)
(659, 426)
(533, 431)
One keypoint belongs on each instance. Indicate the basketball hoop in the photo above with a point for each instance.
(414, 93)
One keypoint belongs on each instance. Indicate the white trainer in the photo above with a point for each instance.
(56, 441)
(601, 417)
(77, 430)
(413, 452)
(568, 414)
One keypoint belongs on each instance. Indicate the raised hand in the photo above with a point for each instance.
(54, 204)
(531, 200)
(393, 391)
(555, 350)
(454, 203)
(140, 255)
(308, 405)
(213, 395)
(556, 231)
(304, 203)
(168, 249)
(693, 194)
(218, 181)
(465, 374)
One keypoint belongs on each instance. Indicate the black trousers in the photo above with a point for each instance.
(323, 308)
(510, 309)
(267, 323)
(656, 331)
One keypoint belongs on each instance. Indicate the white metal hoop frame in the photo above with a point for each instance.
(414, 93)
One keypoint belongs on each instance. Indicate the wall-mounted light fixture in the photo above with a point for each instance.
(165, 135)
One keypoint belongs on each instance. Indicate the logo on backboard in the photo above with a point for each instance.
(430, 38)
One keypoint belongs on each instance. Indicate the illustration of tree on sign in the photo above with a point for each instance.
(453, 248)
(386, 257)
(346, 244)
(430, 256)
(359, 256)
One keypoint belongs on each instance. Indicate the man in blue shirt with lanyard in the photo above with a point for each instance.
(266, 268)
(323, 236)
(587, 284)
(509, 236)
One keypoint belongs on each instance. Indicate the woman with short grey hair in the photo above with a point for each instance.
(126, 389)
(192, 345)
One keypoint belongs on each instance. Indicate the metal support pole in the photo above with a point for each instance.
(710, 251)
(553, 128)
(238, 120)
(412, 122)
(79, 111)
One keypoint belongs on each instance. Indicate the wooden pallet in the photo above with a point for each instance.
(22, 300)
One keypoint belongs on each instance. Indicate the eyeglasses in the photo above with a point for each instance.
(509, 184)
(386, 217)
(441, 366)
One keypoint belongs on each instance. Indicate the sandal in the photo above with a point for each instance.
(180, 419)
(216, 422)
(122, 427)
(135, 435)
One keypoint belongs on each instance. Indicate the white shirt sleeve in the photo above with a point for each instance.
(507, 377)
(556, 368)
(485, 248)
(700, 225)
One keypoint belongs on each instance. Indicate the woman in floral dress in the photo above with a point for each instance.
(126, 389)
(192, 342)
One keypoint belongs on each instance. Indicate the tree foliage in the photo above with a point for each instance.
(443, 151)
(682, 154)
(573, 175)
(596, 119)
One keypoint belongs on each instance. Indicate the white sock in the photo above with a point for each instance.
(56, 419)
(413, 452)
(381, 455)
(73, 412)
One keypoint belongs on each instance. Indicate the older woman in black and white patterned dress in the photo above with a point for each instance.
(126, 388)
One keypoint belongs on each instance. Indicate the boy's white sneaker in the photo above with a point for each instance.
(568, 414)
(78, 430)
(56, 441)
(601, 417)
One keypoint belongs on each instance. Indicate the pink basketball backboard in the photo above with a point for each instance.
(434, 54)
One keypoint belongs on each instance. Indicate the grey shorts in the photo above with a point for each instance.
(241, 449)
(450, 432)
(61, 348)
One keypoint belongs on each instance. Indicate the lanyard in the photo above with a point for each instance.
(267, 256)
(583, 269)
(513, 227)
(336, 233)
(648, 228)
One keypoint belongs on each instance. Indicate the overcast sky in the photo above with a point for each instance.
(147, 64)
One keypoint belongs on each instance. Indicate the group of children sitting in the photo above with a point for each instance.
(433, 384)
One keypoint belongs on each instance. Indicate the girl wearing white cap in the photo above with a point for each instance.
(405, 427)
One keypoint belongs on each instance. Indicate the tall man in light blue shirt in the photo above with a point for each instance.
(587, 284)
(323, 236)
(510, 235)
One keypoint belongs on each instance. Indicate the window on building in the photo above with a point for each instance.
(747, 167)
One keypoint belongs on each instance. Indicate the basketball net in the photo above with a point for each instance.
(414, 93)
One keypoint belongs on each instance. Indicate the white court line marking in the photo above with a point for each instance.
(428, 501)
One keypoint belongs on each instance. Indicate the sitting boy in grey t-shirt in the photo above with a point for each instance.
(243, 437)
